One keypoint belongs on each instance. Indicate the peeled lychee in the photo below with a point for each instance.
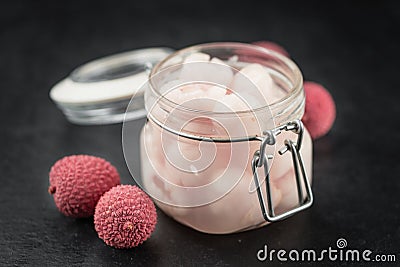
(320, 111)
(77, 183)
(125, 217)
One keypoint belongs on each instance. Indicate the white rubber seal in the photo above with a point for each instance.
(70, 92)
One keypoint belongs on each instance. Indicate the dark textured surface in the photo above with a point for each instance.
(350, 48)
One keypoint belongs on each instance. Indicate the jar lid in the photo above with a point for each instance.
(99, 91)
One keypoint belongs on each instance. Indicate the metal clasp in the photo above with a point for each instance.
(260, 160)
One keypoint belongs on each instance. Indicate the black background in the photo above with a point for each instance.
(350, 47)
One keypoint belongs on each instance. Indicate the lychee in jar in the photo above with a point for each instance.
(223, 148)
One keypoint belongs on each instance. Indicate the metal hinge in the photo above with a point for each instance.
(260, 160)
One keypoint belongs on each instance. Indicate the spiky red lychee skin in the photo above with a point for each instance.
(77, 182)
(320, 110)
(272, 46)
(125, 217)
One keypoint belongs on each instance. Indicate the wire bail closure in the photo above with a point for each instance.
(260, 160)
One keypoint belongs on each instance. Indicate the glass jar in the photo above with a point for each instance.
(220, 118)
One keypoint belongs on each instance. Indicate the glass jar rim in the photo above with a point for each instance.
(292, 94)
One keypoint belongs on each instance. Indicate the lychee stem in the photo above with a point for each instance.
(52, 189)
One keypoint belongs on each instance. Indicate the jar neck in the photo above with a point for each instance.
(290, 107)
(286, 74)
